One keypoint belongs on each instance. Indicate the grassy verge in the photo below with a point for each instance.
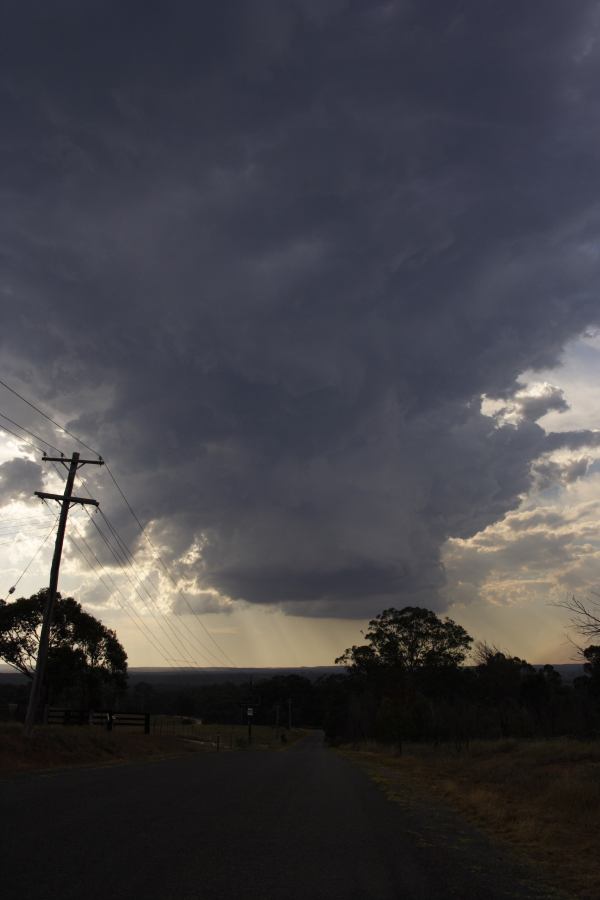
(541, 797)
(60, 747)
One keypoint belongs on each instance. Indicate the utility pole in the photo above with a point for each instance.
(65, 501)
(250, 711)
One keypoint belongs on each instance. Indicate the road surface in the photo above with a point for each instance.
(302, 824)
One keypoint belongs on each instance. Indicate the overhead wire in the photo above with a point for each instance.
(17, 539)
(34, 557)
(129, 556)
(123, 603)
(6, 522)
(8, 538)
(21, 438)
(124, 557)
(50, 419)
(174, 638)
(31, 433)
(130, 559)
(166, 569)
(189, 662)
(17, 527)
(178, 649)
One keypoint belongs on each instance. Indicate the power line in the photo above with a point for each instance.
(164, 565)
(129, 609)
(20, 526)
(21, 438)
(32, 522)
(130, 559)
(18, 539)
(31, 532)
(176, 641)
(31, 433)
(125, 557)
(26, 569)
(50, 419)
(156, 643)
(119, 562)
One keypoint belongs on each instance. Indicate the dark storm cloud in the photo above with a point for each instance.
(294, 243)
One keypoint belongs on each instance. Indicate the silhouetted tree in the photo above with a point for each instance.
(590, 681)
(407, 640)
(585, 614)
(411, 655)
(86, 662)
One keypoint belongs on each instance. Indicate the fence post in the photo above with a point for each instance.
(109, 721)
(147, 723)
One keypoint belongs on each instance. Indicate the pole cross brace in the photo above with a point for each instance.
(44, 496)
(80, 462)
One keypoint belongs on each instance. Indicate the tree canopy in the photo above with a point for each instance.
(86, 662)
(407, 640)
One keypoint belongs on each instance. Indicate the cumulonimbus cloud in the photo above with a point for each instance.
(278, 255)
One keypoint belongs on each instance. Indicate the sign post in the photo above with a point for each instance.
(250, 714)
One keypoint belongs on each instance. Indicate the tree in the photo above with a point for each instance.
(86, 662)
(499, 675)
(408, 640)
(590, 681)
(411, 657)
(585, 618)
(585, 615)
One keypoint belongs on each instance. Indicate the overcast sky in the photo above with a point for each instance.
(320, 281)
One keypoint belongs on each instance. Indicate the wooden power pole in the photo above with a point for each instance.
(65, 501)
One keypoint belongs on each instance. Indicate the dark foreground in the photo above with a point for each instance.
(303, 824)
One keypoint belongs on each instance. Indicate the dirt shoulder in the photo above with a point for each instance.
(540, 800)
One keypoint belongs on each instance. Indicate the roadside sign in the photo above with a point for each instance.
(250, 711)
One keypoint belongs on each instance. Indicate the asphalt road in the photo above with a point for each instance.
(303, 823)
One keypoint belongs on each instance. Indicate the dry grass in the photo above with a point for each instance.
(57, 747)
(61, 747)
(541, 797)
(230, 737)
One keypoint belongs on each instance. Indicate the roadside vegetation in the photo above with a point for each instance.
(53, 747)
(540, 797)
(61, 747)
